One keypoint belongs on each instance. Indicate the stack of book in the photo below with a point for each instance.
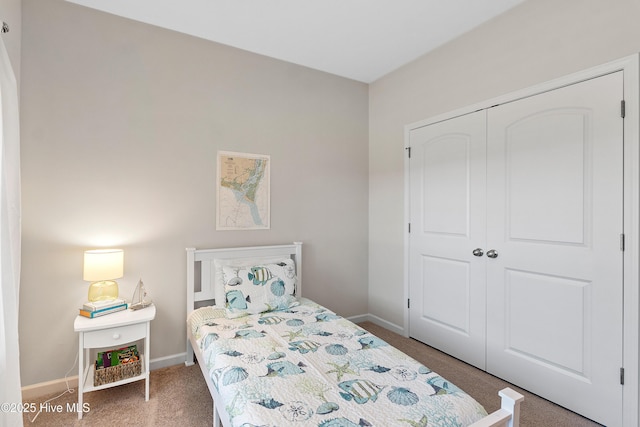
(100, 308)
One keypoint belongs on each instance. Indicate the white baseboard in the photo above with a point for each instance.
(359, 318)
(58, 386)
(164, 362)
(378, 321)
(49, 387)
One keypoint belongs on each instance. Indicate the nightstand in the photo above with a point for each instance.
(107, 332)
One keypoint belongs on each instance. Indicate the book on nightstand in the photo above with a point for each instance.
(104, 311)
(101, 305)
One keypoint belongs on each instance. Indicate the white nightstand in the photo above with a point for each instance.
(112, 331)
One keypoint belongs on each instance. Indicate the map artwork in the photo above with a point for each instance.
(243, 191)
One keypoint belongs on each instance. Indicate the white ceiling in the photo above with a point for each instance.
(358, 39)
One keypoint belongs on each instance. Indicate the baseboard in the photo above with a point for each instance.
(359, 319)
(165, 362)
(378, 321)
(58, 386)
(49, 387)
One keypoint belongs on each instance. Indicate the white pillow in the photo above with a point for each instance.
(218, 286)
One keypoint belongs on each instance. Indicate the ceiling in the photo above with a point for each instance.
(357, 39)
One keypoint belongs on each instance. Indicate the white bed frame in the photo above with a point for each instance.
(507, 416)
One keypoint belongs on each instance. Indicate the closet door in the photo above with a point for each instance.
(554, 219)
(447, 193)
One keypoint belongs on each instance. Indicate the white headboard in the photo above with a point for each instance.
(200, 267)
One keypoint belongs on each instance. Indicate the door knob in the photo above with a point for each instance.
(478, 252)
(492, 253)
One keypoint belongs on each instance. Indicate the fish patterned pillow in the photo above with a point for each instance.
(259, 288)
(219, 264)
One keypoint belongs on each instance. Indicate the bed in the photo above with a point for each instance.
(271, 357)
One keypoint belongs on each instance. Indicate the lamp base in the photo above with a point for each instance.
(103, 290)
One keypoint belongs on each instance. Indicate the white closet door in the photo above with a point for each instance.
(554, 216)
(447, 282)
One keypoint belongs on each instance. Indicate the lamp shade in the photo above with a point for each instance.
(103, 264)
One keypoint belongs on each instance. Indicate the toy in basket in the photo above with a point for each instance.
(116, 365)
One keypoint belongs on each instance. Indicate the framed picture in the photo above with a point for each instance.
(243, 191)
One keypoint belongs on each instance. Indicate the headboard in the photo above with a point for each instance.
(201, 271)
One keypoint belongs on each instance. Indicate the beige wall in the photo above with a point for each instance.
(121, 123)
(532, 43)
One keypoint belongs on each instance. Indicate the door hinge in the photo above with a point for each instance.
(408, 151)
(622, 242)
(408, 303)
(409, 227)
(621, 376)
(623, 109)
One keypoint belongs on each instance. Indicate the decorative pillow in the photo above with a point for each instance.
(218, 285)
(259, 288)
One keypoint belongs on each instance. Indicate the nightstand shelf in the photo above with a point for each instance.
(107, 332)
(88, 378)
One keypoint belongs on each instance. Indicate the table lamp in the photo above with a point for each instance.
(101, 268)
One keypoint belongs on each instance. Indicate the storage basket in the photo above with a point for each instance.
(117, 373)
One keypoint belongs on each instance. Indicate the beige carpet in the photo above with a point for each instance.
(535, 411)
(179, 396)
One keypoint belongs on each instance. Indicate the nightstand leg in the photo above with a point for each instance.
(80, 372)
(147, 350)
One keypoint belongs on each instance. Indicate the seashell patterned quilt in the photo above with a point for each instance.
(307, 366)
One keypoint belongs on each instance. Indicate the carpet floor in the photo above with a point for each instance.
(178, 395)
